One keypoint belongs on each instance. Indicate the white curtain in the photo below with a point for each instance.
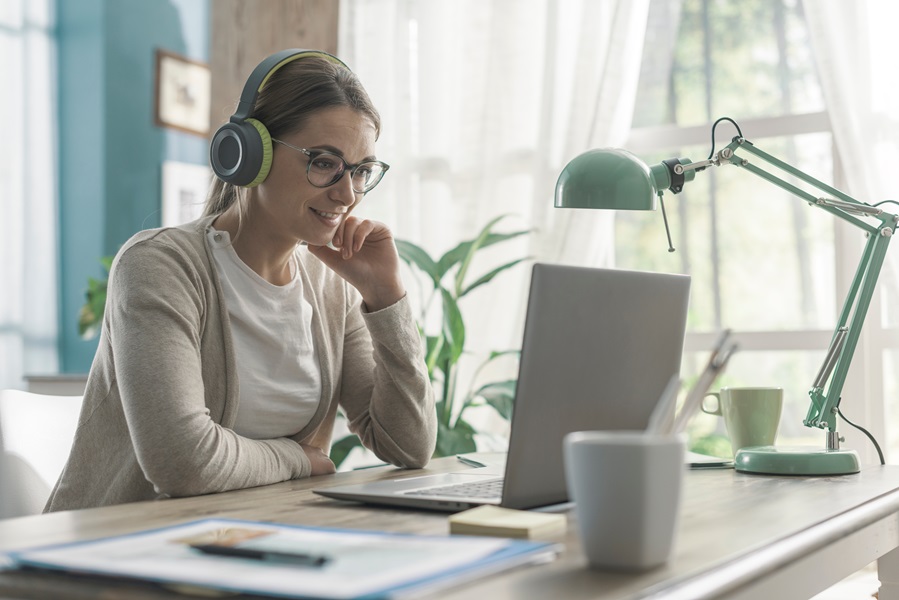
(483, 102)
(854, 45)
(28, 247)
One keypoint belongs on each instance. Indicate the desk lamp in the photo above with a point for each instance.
(616, 179)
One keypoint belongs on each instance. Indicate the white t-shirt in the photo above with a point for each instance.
(277, 364)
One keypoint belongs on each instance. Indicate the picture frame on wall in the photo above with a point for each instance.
(184, 189)
(182, 93)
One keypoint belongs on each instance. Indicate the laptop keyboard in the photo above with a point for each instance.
(491, 488)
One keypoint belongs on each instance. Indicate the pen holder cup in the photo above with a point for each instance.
(626, 486)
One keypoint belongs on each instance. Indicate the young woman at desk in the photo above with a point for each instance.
(229, 343)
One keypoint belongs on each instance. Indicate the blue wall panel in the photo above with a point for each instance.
(111, 151)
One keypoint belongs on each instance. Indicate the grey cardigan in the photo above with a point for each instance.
(162, 392)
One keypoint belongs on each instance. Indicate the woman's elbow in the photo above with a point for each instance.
(419, 460)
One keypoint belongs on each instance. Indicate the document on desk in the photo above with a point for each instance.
(289, 561)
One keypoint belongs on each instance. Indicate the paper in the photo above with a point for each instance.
(704, 461)
(506, 522)
(361, 563)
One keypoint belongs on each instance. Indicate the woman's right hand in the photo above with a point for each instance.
(321, 464)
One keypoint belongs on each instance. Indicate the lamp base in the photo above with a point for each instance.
(770, 460)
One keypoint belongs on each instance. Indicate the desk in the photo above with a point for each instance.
(740, 537)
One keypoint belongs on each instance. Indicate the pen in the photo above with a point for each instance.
(721, 353)
(307, 560)
(662, 418)
(470, 461)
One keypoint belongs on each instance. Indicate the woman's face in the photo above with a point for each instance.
(293, 208)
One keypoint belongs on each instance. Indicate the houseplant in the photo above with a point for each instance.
(90, 318)
(448, 279)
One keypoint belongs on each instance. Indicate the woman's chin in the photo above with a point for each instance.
(318, 241)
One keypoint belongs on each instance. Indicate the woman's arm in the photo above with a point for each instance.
(385, 388)
(386, 392)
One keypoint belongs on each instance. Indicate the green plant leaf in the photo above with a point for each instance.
(90, 316)
(458, 254)
(341, 449)
(472, 249)
(453, 327)
(498, 353)
(452, 258)
(435, 346)
(88, 324)
(500, 395)
(416, 255)
(455, 440)
(489, 276)
(442, 414)
(444, 350)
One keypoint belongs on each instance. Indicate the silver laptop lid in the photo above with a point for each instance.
(599, 347)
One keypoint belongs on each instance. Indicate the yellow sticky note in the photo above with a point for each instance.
(507, 522)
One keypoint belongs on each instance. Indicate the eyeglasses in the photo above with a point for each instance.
(326, 168)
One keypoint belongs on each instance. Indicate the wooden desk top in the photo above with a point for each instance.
(733, 528)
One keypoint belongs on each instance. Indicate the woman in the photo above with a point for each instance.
(229, 343)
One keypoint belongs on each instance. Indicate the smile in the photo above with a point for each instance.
(327, 215)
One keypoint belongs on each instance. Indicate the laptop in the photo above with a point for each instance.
(599, 347)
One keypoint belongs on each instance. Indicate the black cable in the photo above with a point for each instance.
(887, 201)
(714, 125)
(865, 431)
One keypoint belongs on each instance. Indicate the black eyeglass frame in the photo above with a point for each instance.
(313, 154)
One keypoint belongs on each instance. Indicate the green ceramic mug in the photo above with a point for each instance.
(751, 414)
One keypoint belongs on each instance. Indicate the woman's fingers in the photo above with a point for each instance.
(353, 235)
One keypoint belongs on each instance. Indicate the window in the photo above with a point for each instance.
(763, 262)
(28, 329)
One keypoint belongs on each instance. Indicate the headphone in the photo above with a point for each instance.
(241, 149)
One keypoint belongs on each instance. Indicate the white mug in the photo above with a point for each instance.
(626, 486)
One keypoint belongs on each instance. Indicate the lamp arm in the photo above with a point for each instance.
(823, 409)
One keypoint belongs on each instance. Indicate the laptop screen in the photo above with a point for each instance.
(599, 347)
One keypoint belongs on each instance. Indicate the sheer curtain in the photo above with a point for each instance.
(28, 313)
(483, 102)
(853, 44)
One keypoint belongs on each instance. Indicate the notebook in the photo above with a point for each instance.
(599, 347)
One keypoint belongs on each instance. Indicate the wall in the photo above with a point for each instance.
(242, 36)
(110, 150)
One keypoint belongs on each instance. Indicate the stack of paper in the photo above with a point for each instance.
(348, 564)
(506, 522)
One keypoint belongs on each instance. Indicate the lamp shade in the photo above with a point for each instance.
(609, 178)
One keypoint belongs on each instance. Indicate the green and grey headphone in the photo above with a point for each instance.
(241, 149)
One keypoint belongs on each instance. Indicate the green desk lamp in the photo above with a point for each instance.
(616, 179)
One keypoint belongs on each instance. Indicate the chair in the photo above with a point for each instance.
(36, 433)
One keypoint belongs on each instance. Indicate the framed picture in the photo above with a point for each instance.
(184, 188)
(182, 93)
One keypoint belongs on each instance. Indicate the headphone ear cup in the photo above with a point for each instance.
(241, 153)
(264, 149)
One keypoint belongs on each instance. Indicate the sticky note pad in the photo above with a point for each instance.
(507, 522)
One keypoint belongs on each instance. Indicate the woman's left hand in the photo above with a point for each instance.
(366, 257)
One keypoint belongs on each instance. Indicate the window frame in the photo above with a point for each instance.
(865, 379)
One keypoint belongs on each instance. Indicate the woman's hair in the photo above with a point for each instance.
(287, 101)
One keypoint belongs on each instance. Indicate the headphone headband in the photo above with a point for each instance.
(264, 70)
